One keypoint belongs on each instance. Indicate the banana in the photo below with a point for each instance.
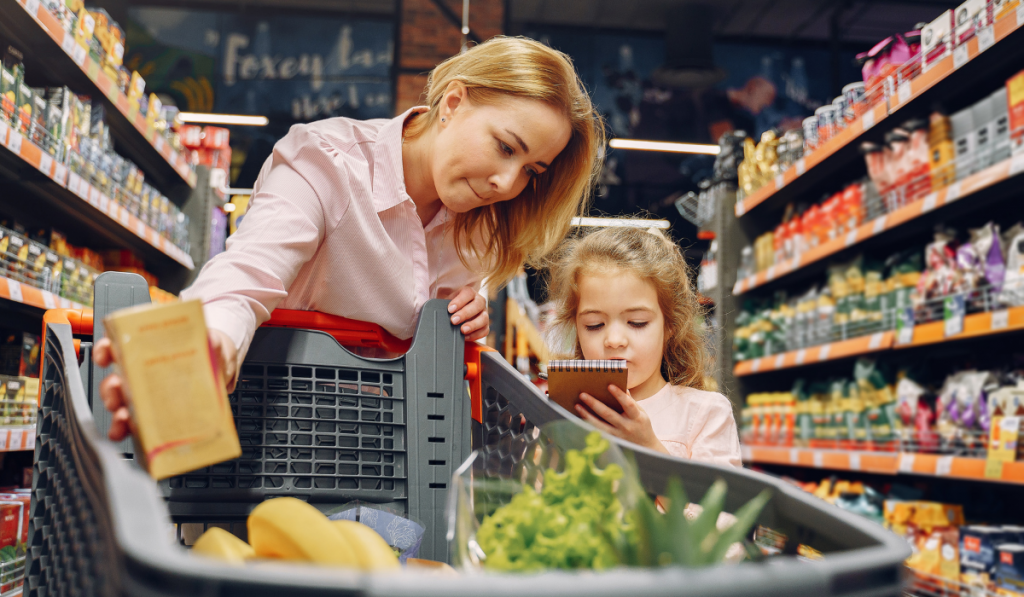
(290, 529)
(220, 544)
(371, 550)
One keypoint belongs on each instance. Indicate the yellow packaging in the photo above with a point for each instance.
(179, 406)
(928, 515)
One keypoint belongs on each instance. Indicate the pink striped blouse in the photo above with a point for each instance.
(331, 228)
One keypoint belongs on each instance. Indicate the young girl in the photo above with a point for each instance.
(625, 293)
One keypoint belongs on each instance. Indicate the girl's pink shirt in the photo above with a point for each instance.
(331, 228)
(695, 424)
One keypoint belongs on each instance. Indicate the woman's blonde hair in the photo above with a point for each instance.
(650, 256)
(507, 234)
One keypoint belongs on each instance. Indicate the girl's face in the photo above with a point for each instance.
(486, 153)
(619, 318)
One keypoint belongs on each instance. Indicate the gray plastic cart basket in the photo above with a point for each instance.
(100, 526)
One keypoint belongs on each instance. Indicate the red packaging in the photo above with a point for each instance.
(216, 137)
(122, 258)
(25, 499)
(191, 135)
(779, 243)
(12, 522)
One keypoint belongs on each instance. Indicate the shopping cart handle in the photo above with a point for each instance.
(347, 332)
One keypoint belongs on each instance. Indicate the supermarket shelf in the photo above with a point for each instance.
(946, 76)
(987, 323)
(978, 324)
(817, 354)
(23, 161)
(885, 463)
(17, 439)
(971, 186)
(13, 290)
(39, 35)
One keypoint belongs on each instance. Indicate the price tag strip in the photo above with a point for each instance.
(905, 326)
(906, 463)
(953, 310)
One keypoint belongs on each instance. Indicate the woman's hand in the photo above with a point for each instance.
(632, 425)
(470, 309)
(112, 388)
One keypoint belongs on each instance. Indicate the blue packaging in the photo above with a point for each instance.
(1009, 575)
(978, 556)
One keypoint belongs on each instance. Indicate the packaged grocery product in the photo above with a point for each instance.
(936, 39)
(22, 527)
(8, 94)
(855, 100)
(183, 422)
(1015, 107)
(878, 172)
(826, 116)
(810, 128)
(987, 246)
(12, 522)
(1000, 126)
(1009, 573)
(968, 18)
(978, 555)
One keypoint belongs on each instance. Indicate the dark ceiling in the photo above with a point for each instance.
(804, 20)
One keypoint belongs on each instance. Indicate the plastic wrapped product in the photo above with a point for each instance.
(985, 241)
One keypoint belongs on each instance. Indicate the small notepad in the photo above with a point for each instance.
(568, 379)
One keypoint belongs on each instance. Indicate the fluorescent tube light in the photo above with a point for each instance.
(664, 146)
(240, 119)
(234, 191)
(620, 222)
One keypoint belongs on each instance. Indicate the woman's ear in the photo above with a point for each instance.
(455, 98)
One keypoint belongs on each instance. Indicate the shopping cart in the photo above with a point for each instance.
(101, 526)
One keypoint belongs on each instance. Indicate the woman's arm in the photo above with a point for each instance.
(281, 231)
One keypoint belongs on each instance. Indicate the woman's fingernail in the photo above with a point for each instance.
(456, 319)
(451, 307)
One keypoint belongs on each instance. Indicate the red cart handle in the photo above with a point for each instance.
(347, 332)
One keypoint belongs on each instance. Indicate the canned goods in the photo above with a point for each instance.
(839, 118)
(856, 100)
(826, 123)
(810, 133)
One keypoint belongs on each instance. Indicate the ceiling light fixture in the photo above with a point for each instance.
(620, 222)
(234, 191)
(701, 148)
(239, 119)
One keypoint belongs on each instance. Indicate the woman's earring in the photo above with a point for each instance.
(442, 119)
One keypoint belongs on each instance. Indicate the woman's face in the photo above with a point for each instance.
(486, 153)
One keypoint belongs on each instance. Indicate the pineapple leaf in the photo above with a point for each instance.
(706, 521)
(746, 516)
(753, 551)
(647, 526)
(680, 533)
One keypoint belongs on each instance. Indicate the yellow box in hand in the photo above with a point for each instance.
(178, 404)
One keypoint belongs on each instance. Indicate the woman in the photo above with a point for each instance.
(370, 219)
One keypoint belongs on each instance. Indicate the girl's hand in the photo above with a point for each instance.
(112, 387)
(632, 425)
(470, 309)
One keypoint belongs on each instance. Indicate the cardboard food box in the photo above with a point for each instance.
(178, 402)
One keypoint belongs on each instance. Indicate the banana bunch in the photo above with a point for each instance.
(290, 529)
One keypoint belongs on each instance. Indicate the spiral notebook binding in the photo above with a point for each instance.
(587, 366)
